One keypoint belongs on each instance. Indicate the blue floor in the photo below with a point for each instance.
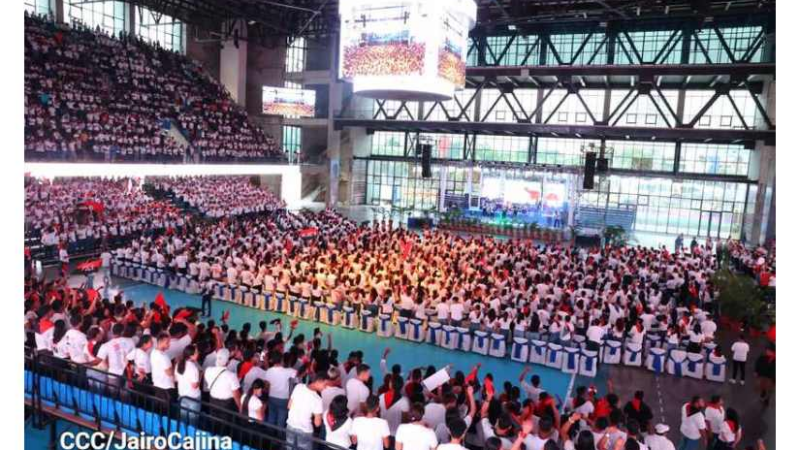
(408, 354)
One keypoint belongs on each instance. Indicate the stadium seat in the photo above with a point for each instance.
(385, 325)
(449, 337)
(480, 343)
(150, 422)
(64, 397)
(612, 352)
(555, 356)
(367, 324)
(348, 317)
(538, 352)
(401, 332)
(570, 360)
(84, 402)
(633, 354)
(656, 360)
(588, 363)
(415, 332)
(519, 349)
(434, 333)
(715, 368)
(693, 365)
(497, 345)
(127, 415)
(464, 339)
(675, 360)
(46, 391)
(652, 341)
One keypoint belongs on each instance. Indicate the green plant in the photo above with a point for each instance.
(740, 299)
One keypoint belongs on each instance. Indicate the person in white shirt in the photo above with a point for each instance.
(279, 379)
(715, 415)
(659, 440)
(161, 366)
(252, 401)
(730, 431)
(415, 435)
(114, 353)
(458, 431)
(338, 424)
(693, 424)
(357, 390)
(532, 389)
(305, 411)
(140, 358)
(76, 342)
(369, 431)
(740, 349)
(187, 374)
(222, 384)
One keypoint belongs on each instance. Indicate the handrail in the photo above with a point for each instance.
(142, 400)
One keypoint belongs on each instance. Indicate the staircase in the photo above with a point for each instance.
(176, 133)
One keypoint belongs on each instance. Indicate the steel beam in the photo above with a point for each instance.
(586, 131)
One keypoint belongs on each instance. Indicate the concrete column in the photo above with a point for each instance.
(57, 6)
(233, 64)
(764, 158)
(442, 187)
(335, 101)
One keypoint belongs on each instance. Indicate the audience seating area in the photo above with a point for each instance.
(90, 96)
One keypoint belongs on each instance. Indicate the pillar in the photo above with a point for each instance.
(763, 166)
(233, 62)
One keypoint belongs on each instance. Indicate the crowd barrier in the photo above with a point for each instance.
(573, 358)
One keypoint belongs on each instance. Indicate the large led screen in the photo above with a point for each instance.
(405, 49)
(288, 102)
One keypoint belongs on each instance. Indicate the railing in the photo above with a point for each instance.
(114, 405)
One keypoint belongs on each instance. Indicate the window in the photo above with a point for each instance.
(633, 155)
(388, 143)
(572, 111)
(715, 159)
(649, 45)
(296, 55)
(566, 152)
(722, 113)
(109, 16)
(160, 29)
(663, 205)
(567, 45)
(435, 111)
(643, 112)
(400, 184)
(292, 139)
(38, 7)
(502, 148)
(740, 40)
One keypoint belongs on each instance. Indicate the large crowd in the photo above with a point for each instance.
(72, 214)
(270, 375)
(92, 96)
(220, 196)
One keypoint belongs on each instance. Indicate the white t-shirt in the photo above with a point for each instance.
(416, 437)
(254, 406)
(159, 364)
(76, 343)
(141, 360)
(740, 350)
(176, 346)
(451, 447)
(328, 394)
(394, 414)
(114, 352)
(714, 417)
(341, 435)
(370, 432)
(279, 381)
(221, 383)
(305, 404)
(434, 414)
(656, 442)
(692, 425)
(255, 373)
(190, 375)
(357, 393)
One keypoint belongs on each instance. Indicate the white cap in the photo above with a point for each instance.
(662, 428)
(223, 355)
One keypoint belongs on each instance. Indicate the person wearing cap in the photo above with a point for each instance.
(659, 440)
(305, 412)
(222, 384)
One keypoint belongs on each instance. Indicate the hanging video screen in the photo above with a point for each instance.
(288, 102)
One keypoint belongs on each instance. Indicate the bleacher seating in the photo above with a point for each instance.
(589, 217)
(90, 96)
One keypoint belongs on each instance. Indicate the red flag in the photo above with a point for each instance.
(226, 315)
(772, 333)
(161, 302)
(91, 294)
(487, 382)
(472, 375)
(293, 324)
(90, 265)
(183, 314)
(308, 232)
(288, 245)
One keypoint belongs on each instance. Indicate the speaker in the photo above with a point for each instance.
(426, 161)
(588, 170)
(602, 165)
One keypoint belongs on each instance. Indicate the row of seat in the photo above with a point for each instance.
(574, 358)
(110, 414)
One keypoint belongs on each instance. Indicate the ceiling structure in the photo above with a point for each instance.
(291, 18)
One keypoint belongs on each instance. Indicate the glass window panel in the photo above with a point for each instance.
(109, 16)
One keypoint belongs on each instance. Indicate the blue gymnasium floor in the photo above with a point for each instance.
(407, 354)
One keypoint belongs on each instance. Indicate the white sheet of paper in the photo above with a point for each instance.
(434, 381)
